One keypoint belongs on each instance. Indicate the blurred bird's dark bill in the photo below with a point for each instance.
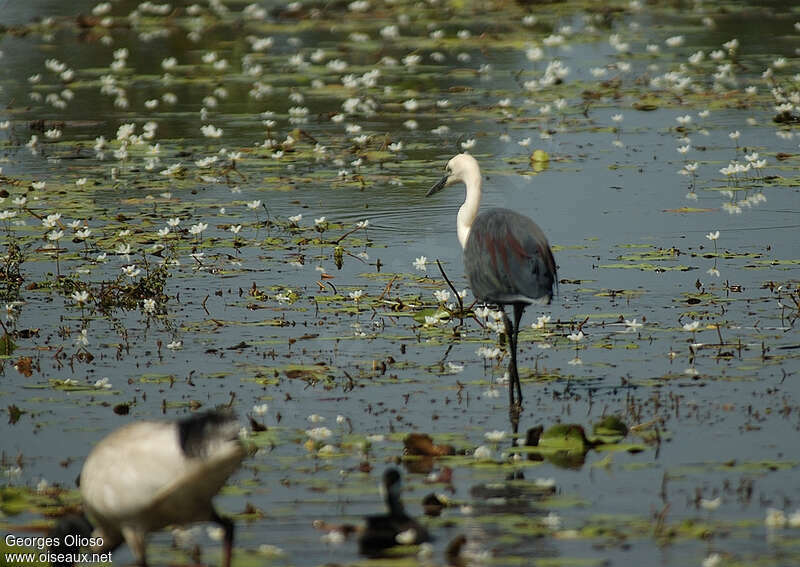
(437, 187)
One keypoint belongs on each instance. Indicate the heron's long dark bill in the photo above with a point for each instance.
(441, 184)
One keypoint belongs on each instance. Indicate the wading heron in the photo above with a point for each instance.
(152, 474)
(507, 258)
(395, 528)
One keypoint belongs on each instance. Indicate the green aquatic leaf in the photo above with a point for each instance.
(611, 429)
(647, 267)
(564, 436)
(7, 345)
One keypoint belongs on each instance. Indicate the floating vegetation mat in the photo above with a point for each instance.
(223, 203)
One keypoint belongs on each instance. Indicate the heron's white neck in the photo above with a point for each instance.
(469, 210)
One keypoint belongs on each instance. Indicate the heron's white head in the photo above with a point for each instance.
(462, 167)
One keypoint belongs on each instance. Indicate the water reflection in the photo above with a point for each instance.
(346, 113)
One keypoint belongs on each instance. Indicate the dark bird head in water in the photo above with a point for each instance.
(69, 525)
(384, 531)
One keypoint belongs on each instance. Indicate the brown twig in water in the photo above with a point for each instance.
(387, 288)
(32, 213)
(452, 287)
(305, 134)
(346, 234)
(359, 258)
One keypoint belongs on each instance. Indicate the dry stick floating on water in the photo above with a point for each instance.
(304, 134)
(388, 287)
(460, 301)
(232, 168)
(346, 234)
(452, 287)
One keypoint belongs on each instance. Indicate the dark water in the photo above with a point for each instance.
(727, 416)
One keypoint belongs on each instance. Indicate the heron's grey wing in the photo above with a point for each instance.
(508, 259)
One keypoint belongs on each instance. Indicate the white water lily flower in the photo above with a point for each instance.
(711, 504)
(488, 352)
(454, 368)
(674, 41)
(483, 453)
(51, 220)
(198, 228)
(319, 433)
(633, 324)
(495, 436)
(211, 131)
(131, 271)
(552, 521)
(80, 296)
(442, 295)
(541, 321)
(775, 518)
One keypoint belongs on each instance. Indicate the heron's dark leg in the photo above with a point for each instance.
(512, 365)
(509, 334)
(518, 309)
(227, 525)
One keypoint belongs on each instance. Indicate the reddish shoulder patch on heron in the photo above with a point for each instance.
(516, 246)
(493, 247)
(500, 248)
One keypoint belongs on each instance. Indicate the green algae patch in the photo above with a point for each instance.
(610, 429)
(647, 267)
(564, 437)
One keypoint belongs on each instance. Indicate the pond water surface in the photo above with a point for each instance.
(364, 103)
